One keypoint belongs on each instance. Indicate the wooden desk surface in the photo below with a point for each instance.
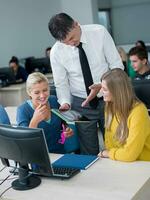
(21, 86)
(104, 180)
(14, 87)
(13, 95)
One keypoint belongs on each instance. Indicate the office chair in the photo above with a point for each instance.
(142, 91)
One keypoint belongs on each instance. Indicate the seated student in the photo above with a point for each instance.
(36, 112)
(47, 52)
(124, 58)
(127, 123)
(19, 72)
(4, 119)
(131, 72)
(140, 43)
(139, 60)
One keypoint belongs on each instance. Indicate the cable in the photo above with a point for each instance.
(7, 177)
(2, 169)
(5, 191)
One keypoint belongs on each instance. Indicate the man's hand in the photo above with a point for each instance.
(95, 88)
(64, 107)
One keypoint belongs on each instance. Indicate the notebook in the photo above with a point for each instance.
(76, 161)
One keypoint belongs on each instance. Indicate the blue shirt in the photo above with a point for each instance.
(51, 129)
(4, 119)
(21, 74)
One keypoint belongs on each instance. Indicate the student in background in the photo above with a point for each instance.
(127, 123)
(124, 58)
(139, 60)
(140, 43)
(19, 72)
(131, 71)
(47, 55)
(36, 112)
(47, 52)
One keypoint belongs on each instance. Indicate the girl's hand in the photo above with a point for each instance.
(41, 113)
(104, 154)
(68, 132)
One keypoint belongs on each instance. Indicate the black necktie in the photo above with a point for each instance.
(87, 74)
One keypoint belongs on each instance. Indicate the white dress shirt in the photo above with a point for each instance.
(101, 53)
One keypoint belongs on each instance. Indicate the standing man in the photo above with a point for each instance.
(73, 73)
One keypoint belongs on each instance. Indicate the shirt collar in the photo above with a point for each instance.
(83, 36)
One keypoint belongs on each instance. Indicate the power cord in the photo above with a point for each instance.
(5, 191)
(7, 177)
(2, 169)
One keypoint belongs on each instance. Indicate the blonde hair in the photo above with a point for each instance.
(123, 54)
(123, 100)
(33, 79)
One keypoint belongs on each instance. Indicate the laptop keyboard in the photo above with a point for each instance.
(65, 172)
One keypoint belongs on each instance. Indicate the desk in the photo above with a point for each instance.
(104, 180)
(13, 95)
(49, 77)
(12, 111)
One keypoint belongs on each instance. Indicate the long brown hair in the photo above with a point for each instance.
(123, 100)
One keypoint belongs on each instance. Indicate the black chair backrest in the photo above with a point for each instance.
(142, 91)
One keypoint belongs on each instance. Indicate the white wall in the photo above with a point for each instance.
(24, 31)
(103, 4)
(130, 21)
(84, 11)
(24, 27)
(24, 24)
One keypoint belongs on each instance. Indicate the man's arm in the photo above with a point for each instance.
(113, 59)
(60, 80)
(111, 53)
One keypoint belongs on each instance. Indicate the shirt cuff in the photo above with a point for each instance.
(65, 101)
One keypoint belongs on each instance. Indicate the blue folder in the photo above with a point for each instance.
(75, 161)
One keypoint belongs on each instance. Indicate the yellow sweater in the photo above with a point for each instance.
(137, 146)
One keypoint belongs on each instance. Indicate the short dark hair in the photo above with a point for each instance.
(142, 44)
(48, 49)
(60, 25)
(14, 59)
(140, 52)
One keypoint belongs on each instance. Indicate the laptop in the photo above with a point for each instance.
(55, 172)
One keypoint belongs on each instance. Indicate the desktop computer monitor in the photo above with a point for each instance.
(38, 64)
(26, 146)
(142, 90)
(7, 76)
